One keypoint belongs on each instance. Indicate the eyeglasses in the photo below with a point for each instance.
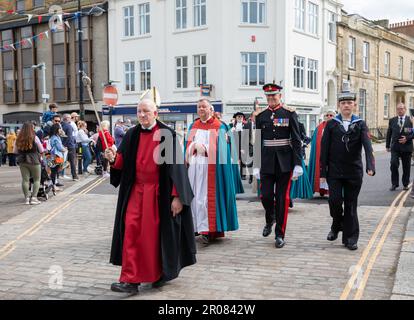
(330, 115)
(56, 121)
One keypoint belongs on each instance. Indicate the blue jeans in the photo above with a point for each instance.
(86, 156)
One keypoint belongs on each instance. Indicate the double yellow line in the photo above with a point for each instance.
(9, 247)
(390, 216)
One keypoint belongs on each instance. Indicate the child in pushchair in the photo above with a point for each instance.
(46, 184)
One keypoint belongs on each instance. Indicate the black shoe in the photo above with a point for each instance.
(59, 185)
(352, 247)
(332, 236)
(250, 179)
(159, 283)
(267, 230)
(205, 239)
(125, 287)
(280, 243)
(393, 188)
(406, 188)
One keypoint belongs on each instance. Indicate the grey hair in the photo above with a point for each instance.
(206, 100)
(66, 117)
(148, 102)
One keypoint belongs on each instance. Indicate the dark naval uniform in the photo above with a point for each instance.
(280, 150)
(400, 127)
(341, 165)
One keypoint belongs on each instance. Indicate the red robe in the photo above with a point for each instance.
(141, 256)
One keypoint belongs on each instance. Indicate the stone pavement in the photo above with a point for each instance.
(64, 253)
(404, 280)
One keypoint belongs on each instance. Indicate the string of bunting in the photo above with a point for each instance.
(40, 17)
(39, 37)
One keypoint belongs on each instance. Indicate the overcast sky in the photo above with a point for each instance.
(395, 10)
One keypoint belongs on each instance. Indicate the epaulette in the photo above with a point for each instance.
(290, 109)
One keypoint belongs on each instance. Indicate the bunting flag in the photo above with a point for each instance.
(43, 35)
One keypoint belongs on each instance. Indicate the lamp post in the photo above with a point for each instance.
(80, 60)
(45, 96)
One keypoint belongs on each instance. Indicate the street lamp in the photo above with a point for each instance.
(45, 96)
(80, 60)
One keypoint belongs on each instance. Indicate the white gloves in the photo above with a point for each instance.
(256, 173)
(297, 172)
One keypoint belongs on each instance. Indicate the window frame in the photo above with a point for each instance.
(332, 28)
(387, 64)
(313, 17)
(129, 21)
(314, 73)
(362, 103)
(259, 5)
(248, 65)
(183, 69)
(300, 12)
(387, 100)
(198, 6)
(352, 53)
(144, 18)
(198, 69)
(401, 67)
(145, 75)
(366, 50)
(183, 12)
(130, 77)
(299, 70)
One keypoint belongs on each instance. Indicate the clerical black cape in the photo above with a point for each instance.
(178, 246)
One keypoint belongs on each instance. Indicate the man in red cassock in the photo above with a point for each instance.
(153, 236)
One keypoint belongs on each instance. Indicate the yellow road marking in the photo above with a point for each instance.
(364, 256)
(377, 251)
(9, 247)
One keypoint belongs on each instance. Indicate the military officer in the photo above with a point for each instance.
(279, 145)
(341, 166)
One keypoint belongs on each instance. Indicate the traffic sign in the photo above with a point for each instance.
(110, 96)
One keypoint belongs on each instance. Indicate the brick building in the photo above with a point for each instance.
(21, 90)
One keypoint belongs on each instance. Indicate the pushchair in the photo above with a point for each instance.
(46, 184)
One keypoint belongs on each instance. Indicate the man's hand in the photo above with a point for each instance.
(110, 155)
(256, 173)
(403, 140)
(176, 206)
(323, 181)
(388, 150)
(370, 173)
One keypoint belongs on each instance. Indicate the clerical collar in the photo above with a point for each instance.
(150, 127)
(206, 120)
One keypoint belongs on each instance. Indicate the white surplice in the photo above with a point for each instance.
(198, 174)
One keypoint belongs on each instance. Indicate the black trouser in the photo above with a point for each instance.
(54, 174)
(72, 160)
(395, 164)
(343, 204)
(12, 160)
(275, 195)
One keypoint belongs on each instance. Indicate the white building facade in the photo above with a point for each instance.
(234, 46)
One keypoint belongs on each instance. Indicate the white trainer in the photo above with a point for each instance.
(34, 201)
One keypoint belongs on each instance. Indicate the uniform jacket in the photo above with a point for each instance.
(395, 132)
(278, 125)
(341, 151)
